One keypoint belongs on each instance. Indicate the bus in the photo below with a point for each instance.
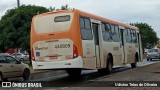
(74, 40)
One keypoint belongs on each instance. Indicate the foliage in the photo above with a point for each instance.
(148, 35)
(158, 45)
(15, 26)
(65, 7)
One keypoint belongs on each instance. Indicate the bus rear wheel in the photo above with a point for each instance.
(74, 72)
(109, 66)
(134, 65)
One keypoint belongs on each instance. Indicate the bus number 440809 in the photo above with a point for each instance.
(62, 46)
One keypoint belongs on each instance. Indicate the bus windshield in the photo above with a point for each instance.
(53, 23)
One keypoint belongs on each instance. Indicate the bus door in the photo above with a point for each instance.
(123, 45)
(96, 41)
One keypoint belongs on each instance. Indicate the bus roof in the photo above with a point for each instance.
(86, 14)
(106, 20)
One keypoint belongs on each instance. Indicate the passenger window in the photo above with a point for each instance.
(11, 60)
(108, 27)
(134, 37)
(106, 32)
(82, 23)
(128, 36)
(86, 32)
(3, 59)
(112, 28)
(115, 33)
(87, 24)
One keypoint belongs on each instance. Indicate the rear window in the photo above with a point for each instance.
(62, 18)
(53, 22)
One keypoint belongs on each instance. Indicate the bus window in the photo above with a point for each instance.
(115, 33)
(128, 36)
(134, 37)
(87, 24)
(106, 32)
(82, 23)
(112, 28)
(86, 32)
(62, 18)
(53, 23)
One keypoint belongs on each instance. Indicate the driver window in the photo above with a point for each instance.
(11, 60)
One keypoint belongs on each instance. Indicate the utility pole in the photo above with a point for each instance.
(16, 50)
(18, 3)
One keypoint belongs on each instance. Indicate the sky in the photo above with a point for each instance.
(126, 11)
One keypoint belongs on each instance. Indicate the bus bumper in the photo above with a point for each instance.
(73, 63)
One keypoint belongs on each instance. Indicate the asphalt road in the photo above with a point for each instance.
(58, 78)
(90, 74)
(60, 75)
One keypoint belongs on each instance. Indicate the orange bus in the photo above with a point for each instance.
(74, 40)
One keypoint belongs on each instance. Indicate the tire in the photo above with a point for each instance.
(134, 65)
(26, 74)
(74, 72)
(1, 77)
(5, 79)
(109, 66)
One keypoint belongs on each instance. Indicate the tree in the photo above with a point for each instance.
(158, 45)
(52, 9)
(148, 35)
(65, 7)
(15, 27)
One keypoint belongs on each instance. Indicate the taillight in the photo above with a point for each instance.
(32, 55)
(75, 52)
